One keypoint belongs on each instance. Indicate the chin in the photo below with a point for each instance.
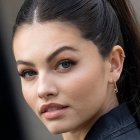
(58, 126)
(57, 129)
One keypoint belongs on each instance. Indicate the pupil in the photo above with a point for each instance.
(30, 73)
(66, 64)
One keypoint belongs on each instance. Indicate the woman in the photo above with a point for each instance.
(71, 56)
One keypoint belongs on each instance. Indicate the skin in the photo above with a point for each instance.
(76, 76)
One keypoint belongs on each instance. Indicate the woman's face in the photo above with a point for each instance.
(64, 79)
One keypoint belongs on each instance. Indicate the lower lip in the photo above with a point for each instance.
(55, 114)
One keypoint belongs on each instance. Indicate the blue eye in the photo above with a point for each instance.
(28, 74)
(65, 65)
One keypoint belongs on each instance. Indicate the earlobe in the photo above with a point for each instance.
(116, 61)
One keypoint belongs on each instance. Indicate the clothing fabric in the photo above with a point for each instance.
(118, 124)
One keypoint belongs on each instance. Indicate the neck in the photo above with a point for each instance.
(80, 133)
(77, 135)
(70, 136)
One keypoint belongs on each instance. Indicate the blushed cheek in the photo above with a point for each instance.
(81, 86)
(85, 85)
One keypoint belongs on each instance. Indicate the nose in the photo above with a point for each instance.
(46, 87)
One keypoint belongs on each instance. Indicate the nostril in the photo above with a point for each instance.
(46, 85)
(45, 92)
(45, 95)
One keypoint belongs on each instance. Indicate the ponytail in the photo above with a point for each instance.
(107, 23)
(129, 83)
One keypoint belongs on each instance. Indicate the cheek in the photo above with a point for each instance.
(29, 95)
(86, 85)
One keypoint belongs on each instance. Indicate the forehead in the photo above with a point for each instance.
(47, 28)
(41, 40)
(38, 34)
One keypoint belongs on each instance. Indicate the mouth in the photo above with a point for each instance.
(53, 110)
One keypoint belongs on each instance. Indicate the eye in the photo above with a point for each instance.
(65, 65)
(28, 74)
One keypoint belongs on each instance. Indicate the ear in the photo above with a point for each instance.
(116, 59)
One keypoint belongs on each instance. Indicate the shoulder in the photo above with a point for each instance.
(118, 124)
(129, 132)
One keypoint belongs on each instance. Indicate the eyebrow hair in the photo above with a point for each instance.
(58, 51)
(54, 54)
(25, 63)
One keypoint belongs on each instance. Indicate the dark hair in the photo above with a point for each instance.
(107, 23)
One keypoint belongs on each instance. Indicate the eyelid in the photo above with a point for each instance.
(30, 78)
(26, 70)
(64, 60)
(59, 68)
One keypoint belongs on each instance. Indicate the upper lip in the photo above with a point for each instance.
(44, 108)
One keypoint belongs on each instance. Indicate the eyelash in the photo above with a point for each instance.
(62, 66)
(65, 65)
(29, 78)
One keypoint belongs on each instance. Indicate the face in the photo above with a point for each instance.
(64, 78)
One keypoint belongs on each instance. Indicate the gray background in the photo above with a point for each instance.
(32, 126)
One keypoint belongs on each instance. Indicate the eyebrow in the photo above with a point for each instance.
(49, 59)
(60, 50)
(19, 62)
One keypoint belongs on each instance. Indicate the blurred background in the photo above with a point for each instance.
(17, 121)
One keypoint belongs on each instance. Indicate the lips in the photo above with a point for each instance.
(51, 107)
(53, 111)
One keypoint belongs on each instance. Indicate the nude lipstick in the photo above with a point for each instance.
(53, 110)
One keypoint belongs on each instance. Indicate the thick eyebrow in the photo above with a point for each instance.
(52, 56)
(20, 62)
(58, 51)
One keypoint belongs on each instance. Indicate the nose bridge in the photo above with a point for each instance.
(46, 85)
